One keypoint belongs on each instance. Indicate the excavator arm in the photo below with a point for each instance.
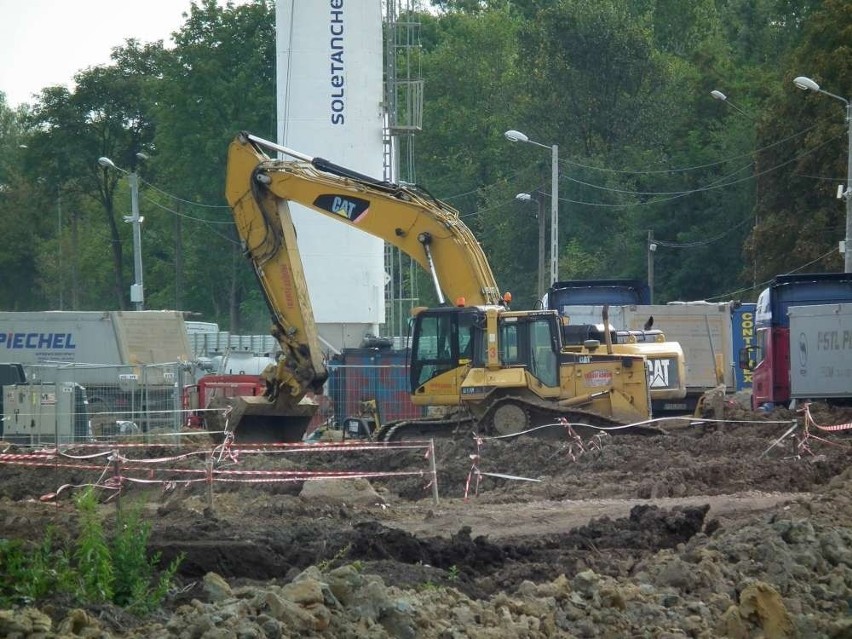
(427, 230)
(259, 190)
(265, 226)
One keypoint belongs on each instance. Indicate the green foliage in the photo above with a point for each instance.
(800, 221)
(133, 569)
(621, 87)
(92, 553)
(28, 575)
(219, 80)
(96, 570)
(326, 564)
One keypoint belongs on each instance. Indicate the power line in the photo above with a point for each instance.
(765, 283)
(697, 167)
(697, 243)
(185, 215)
(711, 187)
(178, 199)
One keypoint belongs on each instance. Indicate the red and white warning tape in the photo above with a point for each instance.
(809, 421)
(116, 472)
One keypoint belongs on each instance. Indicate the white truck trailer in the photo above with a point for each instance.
(821, 352)
(130, 362)
(703, 330)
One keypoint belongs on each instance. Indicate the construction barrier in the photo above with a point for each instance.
(575, 446)
(803, 444)
(210, 465)
(118, 468)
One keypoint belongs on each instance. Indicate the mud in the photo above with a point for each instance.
(509, 512)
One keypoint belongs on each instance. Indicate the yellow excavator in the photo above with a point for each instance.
(507, 369)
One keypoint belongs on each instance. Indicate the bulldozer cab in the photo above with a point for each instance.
(448, 342)
(529, 340)
(442, 339)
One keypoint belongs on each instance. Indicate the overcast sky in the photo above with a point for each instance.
(45, 42)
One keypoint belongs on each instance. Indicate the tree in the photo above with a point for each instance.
(22, 208)
(219, 80)
(800, 219)
(600, 88)
(107, 115)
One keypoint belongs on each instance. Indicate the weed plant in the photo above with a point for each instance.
(93, 569)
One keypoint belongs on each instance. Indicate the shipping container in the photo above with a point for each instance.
(360, 374)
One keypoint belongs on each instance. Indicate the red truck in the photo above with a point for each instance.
(196, 397)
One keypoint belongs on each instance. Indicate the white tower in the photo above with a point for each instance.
(329, 104)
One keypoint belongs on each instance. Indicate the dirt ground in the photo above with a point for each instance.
(508, 513)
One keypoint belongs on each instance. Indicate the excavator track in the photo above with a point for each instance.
(512, 415)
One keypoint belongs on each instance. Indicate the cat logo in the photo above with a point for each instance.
(658, 373)
(346, 206)
(342, 207)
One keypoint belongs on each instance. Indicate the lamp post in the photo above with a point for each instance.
(59, 241)
(652, 247)
(721, 96)
(137, 294)
(806, 84)
(517, 136)
(526, 197)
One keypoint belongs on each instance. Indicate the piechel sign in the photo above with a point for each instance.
(38, 341)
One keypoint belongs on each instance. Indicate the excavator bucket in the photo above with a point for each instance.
(257, 420)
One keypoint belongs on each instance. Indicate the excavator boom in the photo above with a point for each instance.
(404, 216)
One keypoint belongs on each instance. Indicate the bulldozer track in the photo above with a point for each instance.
(425, 428)
(527, 414)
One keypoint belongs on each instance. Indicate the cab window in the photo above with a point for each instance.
(444, 341)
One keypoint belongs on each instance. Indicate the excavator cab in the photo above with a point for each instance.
(445, 344)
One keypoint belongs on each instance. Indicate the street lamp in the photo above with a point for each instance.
(652, 247)
(806, 84)
(724, 98)
(517, 136)
(137, 294)
(526, 197)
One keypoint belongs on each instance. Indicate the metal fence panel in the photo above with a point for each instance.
(124, 400)
(144, 398)
(351, 384)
